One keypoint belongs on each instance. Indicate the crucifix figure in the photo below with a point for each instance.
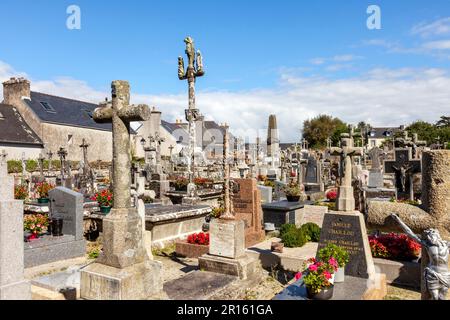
(436, 273)
(404, 167)
(345, 200)
(194, 70)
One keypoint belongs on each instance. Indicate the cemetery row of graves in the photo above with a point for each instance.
(340, 222)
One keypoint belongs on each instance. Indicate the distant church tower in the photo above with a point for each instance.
(273, 142)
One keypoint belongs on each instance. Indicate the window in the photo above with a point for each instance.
(70, 139)
(372, 133)
(388, 133)
(47, 107)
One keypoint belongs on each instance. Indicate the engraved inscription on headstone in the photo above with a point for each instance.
(345, 231)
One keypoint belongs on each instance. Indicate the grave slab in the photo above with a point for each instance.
(283, 212)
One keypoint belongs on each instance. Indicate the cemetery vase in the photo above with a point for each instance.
(32, 236)
(324, 294)
(105, 210)
(293, 198)
(43, 200)
(340, 275)
(57, 226)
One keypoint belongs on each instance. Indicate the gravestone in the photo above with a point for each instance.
(68, 205)
(13, 286)
(348, 230)
(247, 207)
(404, 167)
(375, 173)
(266, 194)
(283, 212)
(311, 170)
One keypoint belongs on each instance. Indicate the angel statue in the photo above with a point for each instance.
(436, 274)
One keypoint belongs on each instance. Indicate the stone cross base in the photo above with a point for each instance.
(123, 229)
(136, 282)
(227, 238)
(227, 250)
(345, 199)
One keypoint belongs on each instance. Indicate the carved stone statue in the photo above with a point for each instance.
(436, 274)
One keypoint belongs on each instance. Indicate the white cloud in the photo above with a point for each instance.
(437, 28)
(338, 58)
(382, 97)
(437, 45)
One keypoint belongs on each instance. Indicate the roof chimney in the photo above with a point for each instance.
(16, 89)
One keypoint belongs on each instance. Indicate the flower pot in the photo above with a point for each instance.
(340, 275)
(43, 200)
(57, 226)
(105, 210)
(324, 294)
(293, 198)
(32, 236)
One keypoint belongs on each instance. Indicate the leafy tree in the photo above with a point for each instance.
(318, 129)
(443, 122)
(425, 131)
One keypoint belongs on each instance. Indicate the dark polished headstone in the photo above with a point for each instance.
(282, 212)
(347, 230)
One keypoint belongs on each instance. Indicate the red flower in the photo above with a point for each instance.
(298, 276)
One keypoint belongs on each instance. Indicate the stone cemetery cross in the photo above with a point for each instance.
(120, 114)
(41, 164)
(50, 157)
(62, 153)
(345, 200)
(194, 70)
(24, 166)
(123, 271)
(404, 168)
(227, 215)
(84, 146)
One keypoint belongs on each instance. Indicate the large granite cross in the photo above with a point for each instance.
(120, 113)
(404, 167)
(345, 200)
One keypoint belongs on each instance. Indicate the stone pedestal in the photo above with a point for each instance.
(136, 282)
(13, 286)
(345, 199)
(123, 271)
(227, 250)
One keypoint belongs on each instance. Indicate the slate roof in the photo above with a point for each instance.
(14, 129)
(382, 133)
(64, 111)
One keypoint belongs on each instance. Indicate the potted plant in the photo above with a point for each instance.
(35, 224)
(42, 188)
(318, 279)
(20, 192)
(336, 256)
(332, 195)
(105, 200)
(196, 245)
(293, 192)
(181, 184)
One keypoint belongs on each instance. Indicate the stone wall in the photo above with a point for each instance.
(56, 136)
(15, 152)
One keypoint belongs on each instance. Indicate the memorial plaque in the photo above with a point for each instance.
(347, 231)
(226, 239)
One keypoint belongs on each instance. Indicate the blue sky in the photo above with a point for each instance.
(253, 50)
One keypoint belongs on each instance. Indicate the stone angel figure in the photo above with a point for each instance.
(436, 274)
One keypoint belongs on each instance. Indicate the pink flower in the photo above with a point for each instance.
(313, 267)
(327, 275)
(333, 262)
(298, 276)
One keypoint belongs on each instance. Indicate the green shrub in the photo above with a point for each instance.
(285, 228)
(31, 165)
(14, 166)
(294, 238)
(312, 231)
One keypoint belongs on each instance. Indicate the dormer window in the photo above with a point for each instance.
(388, 133)
(47, 107)
(372, 133)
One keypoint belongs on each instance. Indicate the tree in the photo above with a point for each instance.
(318, 129)
(425, 131)
(444, 122)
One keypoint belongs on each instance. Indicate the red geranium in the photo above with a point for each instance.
(394, 246)
(331, 195)
(104, 198)
(199, 238)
